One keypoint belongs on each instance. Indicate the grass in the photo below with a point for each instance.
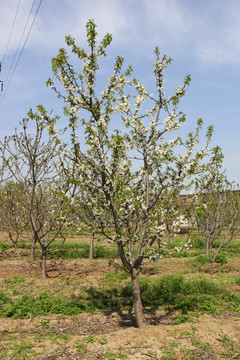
(168, 354)
(79, 249)
(28, 306)
(172, 292)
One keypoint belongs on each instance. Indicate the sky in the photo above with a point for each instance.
(202, 37)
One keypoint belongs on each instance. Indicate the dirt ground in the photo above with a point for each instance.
(110, 335)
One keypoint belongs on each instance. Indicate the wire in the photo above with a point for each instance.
(19, 43)
(10, 36)
(20, 54)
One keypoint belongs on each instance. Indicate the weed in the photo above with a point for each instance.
(15, 292)
(80, 250)
(49, 334)
(64, 337)
(221, 259)
(175, 292)
(237, 280)
(4, 298)
(81, 347)
(102, 341)
(113, 277)
(151, 352)
(200, 344)
(187, 333)
(210, 308)
(44, 322)
(4, 246)
(194, 329)
(43, 304)
(188, 354)
(89, 339)
(199, 260)
(15, 280)
(227, 355)
(198, 243)
(21, 351)
(189, 296)
(168, 354)
(225, 337)
(175, 344)
(182, 319)
(111, 355)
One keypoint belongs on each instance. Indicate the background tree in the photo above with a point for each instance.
(29, 159)
(173, 220)
(217, 208)
(130, 171)
(13, 211)
(83, 218)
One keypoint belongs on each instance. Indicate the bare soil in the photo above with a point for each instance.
(106, 334)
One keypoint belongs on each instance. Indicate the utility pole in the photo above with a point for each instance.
(1, 82)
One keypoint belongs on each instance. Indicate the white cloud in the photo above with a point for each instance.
(218, 43)
(208, 31)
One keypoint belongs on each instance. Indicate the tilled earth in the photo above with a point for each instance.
(108, 335)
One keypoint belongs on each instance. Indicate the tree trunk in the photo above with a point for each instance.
(198, 231)
(33, 248)
(137, 302)
(91, 246)
(44, 262)
(207, 247)
(169, 242)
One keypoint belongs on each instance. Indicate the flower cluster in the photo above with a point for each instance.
(171, 123)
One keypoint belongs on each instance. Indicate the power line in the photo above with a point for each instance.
(10, 36)
(20, 54)
(19, 43)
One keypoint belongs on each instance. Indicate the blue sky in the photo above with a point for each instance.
(202, 37)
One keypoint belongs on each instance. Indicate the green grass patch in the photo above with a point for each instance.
(237, 280)
(15, 280)
(28, 306)
(176, 293)
(22, 351)
(4, 246)
(4, 298)
(173, 292)
(199, 260)
(81, 251)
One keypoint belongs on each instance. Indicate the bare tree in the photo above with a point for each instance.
(29, 158)
(217, 209)
(12, 210)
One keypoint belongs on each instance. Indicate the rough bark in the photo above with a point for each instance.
(44, 263)
(207, 247)
(137, 302)
(91, 246)
(33, 248)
